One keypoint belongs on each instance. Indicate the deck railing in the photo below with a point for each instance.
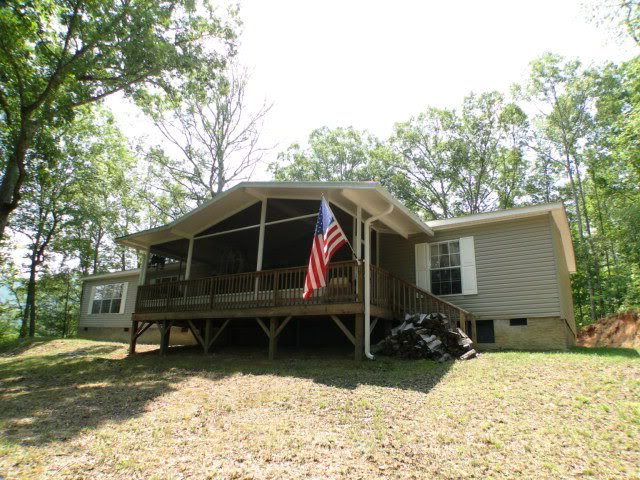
(266, 288)
(284, 287)
(401, 297)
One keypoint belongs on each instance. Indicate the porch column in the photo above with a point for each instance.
(143, 268)
(187, 272)
(358, 245)
(263, 217)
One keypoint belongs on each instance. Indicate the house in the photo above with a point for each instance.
(233, 269)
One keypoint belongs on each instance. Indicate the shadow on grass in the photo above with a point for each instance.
(54, 397)
(607, 351)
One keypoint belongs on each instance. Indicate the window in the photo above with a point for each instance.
(107, 298)
(444, 269)
(484, 331)
(518, 322)
(167, 279)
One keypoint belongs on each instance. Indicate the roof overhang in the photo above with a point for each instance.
(555, 210)
(105, 276)
(370, 196)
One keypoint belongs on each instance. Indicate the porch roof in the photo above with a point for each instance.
(370, 196)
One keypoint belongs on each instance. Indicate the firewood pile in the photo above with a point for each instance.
(426, 336)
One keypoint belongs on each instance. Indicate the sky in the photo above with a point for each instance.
(370, 64)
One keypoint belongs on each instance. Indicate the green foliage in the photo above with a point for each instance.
(56, 56)
(344, 154)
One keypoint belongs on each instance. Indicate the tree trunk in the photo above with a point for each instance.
(65, 325)
(96, 249)
(28, 317)
(13, 177)
(593, 254)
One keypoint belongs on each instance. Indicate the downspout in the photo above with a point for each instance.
(367, 280)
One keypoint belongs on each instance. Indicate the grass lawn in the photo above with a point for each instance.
(82, 409)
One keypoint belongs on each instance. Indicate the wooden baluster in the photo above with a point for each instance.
(276, 279)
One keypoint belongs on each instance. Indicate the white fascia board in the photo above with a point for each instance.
(490, 217)
(110, 275)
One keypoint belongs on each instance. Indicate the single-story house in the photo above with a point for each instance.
(233, 270)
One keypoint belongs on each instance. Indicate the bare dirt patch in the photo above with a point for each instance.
(621, 331)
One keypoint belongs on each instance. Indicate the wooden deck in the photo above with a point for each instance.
(277, 295)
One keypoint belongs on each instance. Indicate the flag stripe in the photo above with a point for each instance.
(328, 238)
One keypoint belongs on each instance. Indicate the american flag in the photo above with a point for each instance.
(328, 238)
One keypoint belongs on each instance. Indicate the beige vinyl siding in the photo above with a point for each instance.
(515, 267)
(108, 319)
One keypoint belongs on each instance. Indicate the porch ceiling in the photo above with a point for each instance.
(372, 197)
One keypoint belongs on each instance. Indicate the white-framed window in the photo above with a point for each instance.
(444, 268)
(108, 298)
(447, 267)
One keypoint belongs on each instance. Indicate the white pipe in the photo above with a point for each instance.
(367, 280)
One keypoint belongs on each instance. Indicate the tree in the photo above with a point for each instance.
(565, 95)
(58, 55)
(40, 217)
(107, 199)
(78, 183)
(622, 16)
(480, 134)
(511, 180)
(340, 154)
(431, 153)
(214, 135)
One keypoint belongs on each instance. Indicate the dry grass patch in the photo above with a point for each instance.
(81, 409)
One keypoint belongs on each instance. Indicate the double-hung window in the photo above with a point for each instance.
(447, 267)
(445, 271)
(107, 298)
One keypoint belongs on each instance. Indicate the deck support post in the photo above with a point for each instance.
(134, 337)
(273, 337)
(474, 330)
(207, 335)
(165, 333)
(359, 336)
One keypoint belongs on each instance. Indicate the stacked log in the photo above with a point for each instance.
(426, 336)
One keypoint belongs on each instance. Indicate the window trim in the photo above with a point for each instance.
(123, 298)
(429, 268)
